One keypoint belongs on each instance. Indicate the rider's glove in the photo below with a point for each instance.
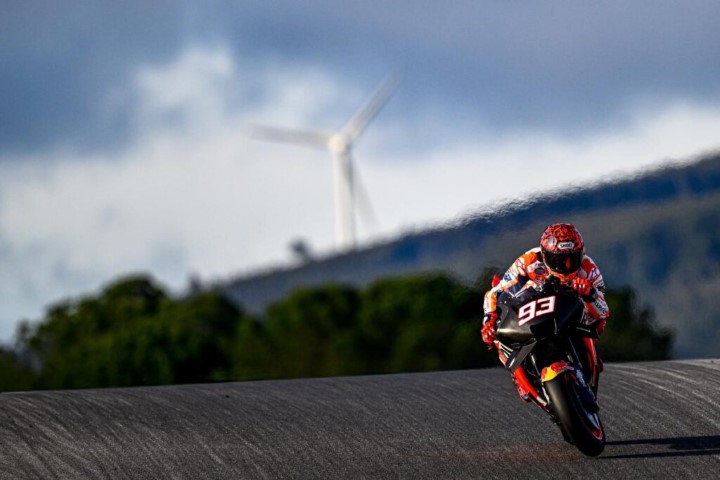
(488, 329)
(584, 289)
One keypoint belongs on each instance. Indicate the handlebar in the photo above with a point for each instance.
(553, 284)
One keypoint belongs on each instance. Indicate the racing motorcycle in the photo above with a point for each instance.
(540, 337)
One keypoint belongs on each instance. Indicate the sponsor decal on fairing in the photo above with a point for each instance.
(549, 373)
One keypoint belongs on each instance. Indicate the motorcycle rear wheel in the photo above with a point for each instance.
(579, 425)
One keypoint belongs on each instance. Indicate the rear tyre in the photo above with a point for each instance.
(582, 427)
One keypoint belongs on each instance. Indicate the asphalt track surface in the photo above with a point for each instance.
(662, 420)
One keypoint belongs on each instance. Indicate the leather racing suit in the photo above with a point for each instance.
(530, 271)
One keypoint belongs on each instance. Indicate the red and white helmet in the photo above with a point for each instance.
(562, 249)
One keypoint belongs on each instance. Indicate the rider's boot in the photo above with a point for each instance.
(524, 387)
(524, 394)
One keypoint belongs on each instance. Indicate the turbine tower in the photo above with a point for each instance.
(340, 145)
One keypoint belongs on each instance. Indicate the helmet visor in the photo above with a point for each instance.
(563, 263)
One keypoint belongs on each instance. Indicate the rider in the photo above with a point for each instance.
(562, 254)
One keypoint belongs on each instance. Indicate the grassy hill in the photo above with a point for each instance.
(658, 233)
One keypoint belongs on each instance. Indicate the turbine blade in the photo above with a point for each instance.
(308, 138)
(359, 122)
(365, 210)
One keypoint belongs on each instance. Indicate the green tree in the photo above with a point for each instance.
(200, 334)
(133, 334)
(310, 333)
(16, 374)
(424, 322)
(252, 353)
(79, 343)
(631, 333)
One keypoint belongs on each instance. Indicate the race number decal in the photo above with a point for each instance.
(535, 308)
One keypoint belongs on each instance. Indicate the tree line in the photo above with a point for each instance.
(134, 333)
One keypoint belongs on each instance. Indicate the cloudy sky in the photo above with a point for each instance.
(123, 125)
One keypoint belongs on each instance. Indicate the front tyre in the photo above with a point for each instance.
(580, 426)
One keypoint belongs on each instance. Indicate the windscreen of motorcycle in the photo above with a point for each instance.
(536, 315)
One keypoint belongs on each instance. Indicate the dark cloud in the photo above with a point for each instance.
(62, 63)
(492, 65)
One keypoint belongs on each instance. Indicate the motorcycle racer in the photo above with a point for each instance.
(561, 254)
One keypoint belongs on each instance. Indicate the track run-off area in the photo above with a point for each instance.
(662, 420)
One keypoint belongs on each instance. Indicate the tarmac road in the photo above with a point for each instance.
(662, 420)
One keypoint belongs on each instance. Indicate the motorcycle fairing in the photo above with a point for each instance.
(541, 323)
(515, 359)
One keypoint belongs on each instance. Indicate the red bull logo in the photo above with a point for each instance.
(549, 373)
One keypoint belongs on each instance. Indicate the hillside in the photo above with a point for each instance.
(658, 232)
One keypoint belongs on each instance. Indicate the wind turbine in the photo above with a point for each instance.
(340, 145)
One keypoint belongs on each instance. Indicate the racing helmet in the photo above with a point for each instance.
(562, 249)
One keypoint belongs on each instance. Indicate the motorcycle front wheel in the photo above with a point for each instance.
(578, 424)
